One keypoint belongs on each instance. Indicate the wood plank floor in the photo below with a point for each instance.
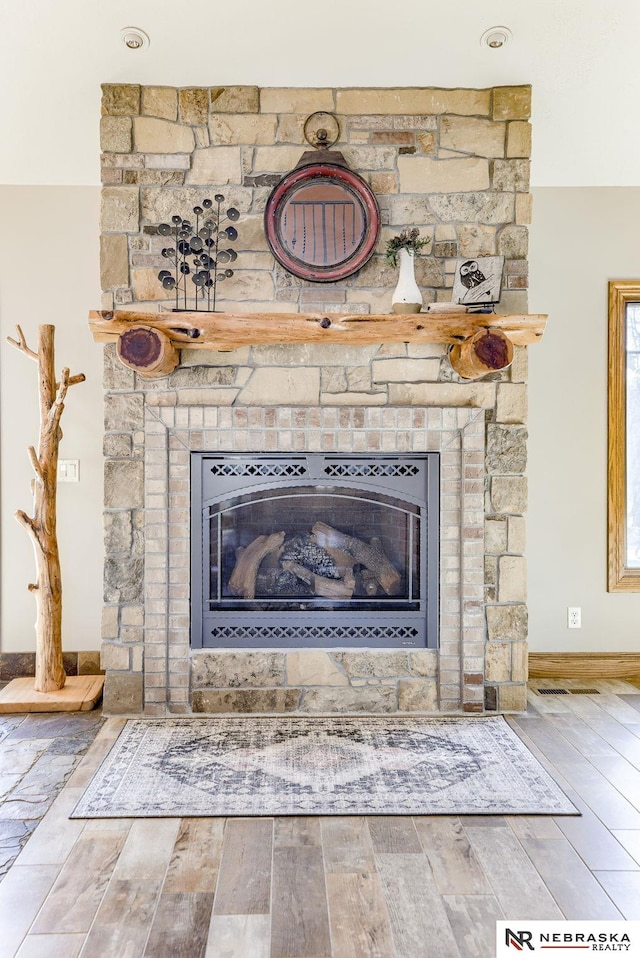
(349, 887)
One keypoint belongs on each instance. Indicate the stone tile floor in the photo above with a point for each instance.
(38, 753)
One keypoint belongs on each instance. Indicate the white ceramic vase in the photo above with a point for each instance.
(407, 297)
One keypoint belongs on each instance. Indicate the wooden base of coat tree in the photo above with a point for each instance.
(80, 694)
(47, 589)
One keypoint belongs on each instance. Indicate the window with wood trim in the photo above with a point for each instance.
(624, 436)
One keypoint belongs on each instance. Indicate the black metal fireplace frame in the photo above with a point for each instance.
(413, 476)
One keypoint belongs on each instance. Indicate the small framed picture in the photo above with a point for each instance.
(478, 281)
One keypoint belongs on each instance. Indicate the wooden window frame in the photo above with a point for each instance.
(621, 578)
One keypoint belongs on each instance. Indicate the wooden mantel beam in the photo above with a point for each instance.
(227, 331)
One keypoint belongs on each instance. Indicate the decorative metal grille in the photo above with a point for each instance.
(584, 692)
(552, 691)
(302, 632)
(402, 469)
(288, 470)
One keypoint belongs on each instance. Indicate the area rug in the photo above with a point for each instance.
(320, 766)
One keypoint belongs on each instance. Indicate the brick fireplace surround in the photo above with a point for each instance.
(454, 163)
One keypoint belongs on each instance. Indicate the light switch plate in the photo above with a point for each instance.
(68, 470)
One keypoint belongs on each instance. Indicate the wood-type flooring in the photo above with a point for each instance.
(375, 887)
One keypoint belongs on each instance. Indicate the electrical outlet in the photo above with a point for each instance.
(574, 617)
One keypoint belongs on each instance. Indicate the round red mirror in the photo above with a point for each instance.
(322, 222)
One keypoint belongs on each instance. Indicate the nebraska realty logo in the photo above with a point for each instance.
(610, 937)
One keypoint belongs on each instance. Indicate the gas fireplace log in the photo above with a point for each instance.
(302, 549)
(485, 352)
(369, 582)
(343, 560)
(325, 588)
(276, 582)
(243, 578)
(364, 553)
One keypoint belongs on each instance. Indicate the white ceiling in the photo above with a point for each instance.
(581, 57)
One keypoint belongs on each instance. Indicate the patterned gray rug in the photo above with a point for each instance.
(320, 766)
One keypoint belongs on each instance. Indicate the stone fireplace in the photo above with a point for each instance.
(453, 162)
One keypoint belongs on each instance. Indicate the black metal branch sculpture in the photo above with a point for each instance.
(198, 253)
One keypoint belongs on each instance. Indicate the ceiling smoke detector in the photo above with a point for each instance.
(134, 38)
(496, 37)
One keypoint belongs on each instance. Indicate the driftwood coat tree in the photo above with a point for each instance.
(50, 674)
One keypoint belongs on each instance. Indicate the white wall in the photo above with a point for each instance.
(49, 273)
(580, 239)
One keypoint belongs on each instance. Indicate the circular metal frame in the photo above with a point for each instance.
(325, 136)
(319, 173)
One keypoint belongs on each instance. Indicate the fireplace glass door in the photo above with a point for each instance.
(314, 551)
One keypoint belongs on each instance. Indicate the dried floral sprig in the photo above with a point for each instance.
(408, 239)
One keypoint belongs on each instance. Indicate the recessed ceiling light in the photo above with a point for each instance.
(496, 37)
(134, 38)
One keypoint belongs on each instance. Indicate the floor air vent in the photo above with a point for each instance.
(567, 691)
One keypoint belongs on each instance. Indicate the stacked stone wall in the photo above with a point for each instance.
(455, 163)
(452, 162)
